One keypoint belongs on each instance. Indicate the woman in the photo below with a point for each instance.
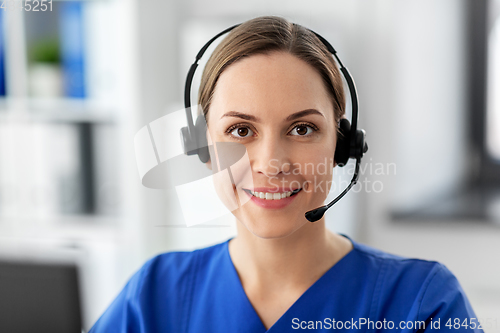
(274, 87)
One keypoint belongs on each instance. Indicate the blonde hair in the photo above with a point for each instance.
(266, 34)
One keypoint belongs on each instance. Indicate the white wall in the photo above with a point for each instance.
(418, 122)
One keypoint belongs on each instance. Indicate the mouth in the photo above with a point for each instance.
(272, 195)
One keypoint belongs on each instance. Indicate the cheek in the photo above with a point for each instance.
(229, 182)
(224, 188)
(317, 169)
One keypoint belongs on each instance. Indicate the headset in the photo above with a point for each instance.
(350, 142)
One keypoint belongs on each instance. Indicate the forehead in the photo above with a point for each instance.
(271, 86)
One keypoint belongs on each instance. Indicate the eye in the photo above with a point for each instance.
(302, 130)
(241, 132)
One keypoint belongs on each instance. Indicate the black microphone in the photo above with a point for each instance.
(316, 214)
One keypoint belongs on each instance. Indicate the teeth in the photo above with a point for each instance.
(271, 196)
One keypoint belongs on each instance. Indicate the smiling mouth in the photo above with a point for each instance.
(273, 195)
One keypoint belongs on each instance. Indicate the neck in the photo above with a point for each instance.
(293, 261)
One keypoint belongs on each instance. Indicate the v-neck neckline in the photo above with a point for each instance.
(301, 297)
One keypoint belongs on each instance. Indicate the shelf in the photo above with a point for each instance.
(63, 110)
(478, 204)
(70, 227)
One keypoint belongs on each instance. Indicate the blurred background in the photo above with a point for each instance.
(78, 80)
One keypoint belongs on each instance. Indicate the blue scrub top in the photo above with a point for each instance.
(366, 291)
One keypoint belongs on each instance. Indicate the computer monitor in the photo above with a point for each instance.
(36, 297)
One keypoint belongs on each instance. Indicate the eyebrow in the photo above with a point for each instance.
(291, 117)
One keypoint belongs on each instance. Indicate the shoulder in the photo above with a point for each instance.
(163, 283)
(174, 268)
(393, 270)
(424, 290)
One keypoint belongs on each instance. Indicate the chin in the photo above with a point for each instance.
(271, 228)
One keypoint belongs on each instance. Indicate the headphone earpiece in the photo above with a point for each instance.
(342, 149)
(361, 147)
(201, 135)
(195, 143)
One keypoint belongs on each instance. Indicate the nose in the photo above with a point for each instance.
(270, 157)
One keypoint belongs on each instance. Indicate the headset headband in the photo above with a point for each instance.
(350, 82)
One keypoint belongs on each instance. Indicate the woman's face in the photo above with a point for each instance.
(278, 107)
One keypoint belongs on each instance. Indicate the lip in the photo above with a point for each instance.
(271, 189)
(271, 204)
